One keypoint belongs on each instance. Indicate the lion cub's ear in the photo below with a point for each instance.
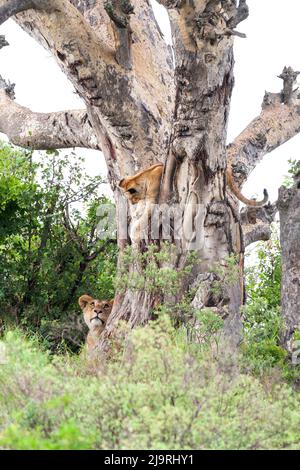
(83, 300)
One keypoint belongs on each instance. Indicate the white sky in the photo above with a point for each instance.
(272, 41)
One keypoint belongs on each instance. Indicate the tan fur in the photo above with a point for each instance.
(96, 313)
(249, 202)
(142, 190)
(144, 185)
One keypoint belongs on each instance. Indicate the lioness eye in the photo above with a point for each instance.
(132, 191)
(92, 304)
(106, 305)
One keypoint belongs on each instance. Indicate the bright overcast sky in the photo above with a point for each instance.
(272, 41)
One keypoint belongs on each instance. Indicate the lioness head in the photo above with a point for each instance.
(143, 185)
(95, 312)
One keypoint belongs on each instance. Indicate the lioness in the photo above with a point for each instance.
(142, 190)
(144, 186)
(96, 313)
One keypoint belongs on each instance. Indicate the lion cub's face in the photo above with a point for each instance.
(144, 185)
(95, 312)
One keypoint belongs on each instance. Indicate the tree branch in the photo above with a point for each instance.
(256, 223)
(172, 4)
(278, 122)
(9, 8)
(12, 7)
(42, 131)
(133, 109)
(3, 41)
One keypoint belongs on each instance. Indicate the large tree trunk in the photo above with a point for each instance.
(289, 211)
(195, 166)
(142, 108)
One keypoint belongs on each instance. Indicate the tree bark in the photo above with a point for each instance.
(289, 211)
(141, 109)
(196, 162)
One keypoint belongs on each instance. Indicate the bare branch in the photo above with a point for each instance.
(256, 223)
(9, 8)
(240, 13)
(132, 108)
(8, 88)
(289, 77)
(12, 7)
(41, 131)
(3, 41)
(259, 232)
(172, 4)
(278, 122)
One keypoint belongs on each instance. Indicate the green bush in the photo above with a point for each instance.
(159, 393)
(50, 252)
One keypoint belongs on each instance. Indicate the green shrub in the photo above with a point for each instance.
(50, 251)
(158, 393)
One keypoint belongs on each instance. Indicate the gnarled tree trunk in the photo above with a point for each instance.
(289, 211)
(147, 104)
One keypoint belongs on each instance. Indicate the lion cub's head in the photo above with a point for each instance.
(143, 185)
(95, 312)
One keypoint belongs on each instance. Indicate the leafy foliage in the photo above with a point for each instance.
(174, 384)
(264, 276)
(50, 252)
(262, 315)
(293, 169)
(157, 275)
(158, 393)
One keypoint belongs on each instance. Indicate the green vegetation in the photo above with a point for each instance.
(160, 394)
(293, 169)
(49, 250)
(163, 390)
(262, 318)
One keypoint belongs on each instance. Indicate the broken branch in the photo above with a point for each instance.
(278, 122)
(256, 223)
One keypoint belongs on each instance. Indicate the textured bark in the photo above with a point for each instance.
(289, 211)
(256, 223)
(196, 160)
(278, 122)
(130, 110)
(45, 130)
(141, 109)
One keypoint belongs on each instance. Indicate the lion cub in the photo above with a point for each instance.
(96, 313)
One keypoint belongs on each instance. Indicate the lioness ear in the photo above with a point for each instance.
(157, 169)
(111, 302)
(83, 300)
(122, 183)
